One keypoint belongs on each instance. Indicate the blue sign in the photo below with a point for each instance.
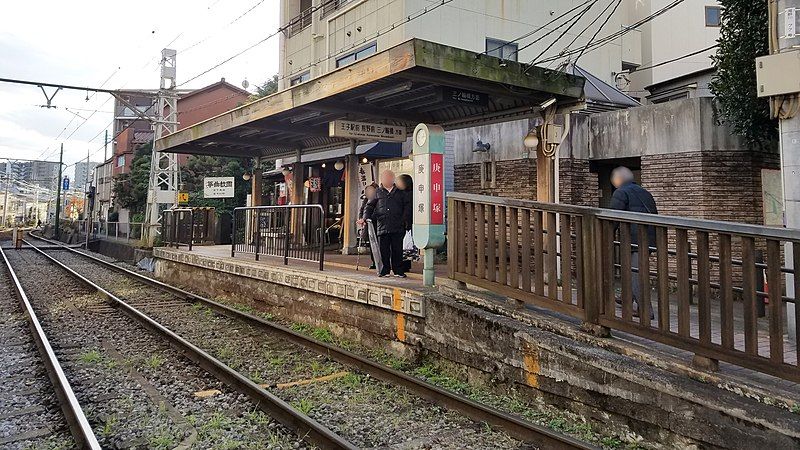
(65, 184)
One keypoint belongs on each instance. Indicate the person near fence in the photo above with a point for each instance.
(363, 233)
(629, 196)
(391, 211)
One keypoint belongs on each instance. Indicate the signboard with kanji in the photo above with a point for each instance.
(456, 95)
(315, 184)
(218, 187)
(429, 226)
(367, 131)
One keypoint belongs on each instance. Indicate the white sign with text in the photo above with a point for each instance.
(218, 187)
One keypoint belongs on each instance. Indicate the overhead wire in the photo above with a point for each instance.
(574, 21)
(594, 36)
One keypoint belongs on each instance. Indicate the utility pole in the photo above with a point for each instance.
(5, 200)
(58, 191)
(105, 147)
(163, 187)
(777, 78)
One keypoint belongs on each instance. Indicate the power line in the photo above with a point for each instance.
(574, 21)
(256, 44)
(594, 36)
(663, 63)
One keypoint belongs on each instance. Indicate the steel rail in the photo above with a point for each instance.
(307, 428)
(511, 424)
(76, 420)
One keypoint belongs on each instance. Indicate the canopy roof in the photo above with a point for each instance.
(416, 81)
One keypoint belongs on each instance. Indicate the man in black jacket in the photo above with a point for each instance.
(629, 196)
(391, 212)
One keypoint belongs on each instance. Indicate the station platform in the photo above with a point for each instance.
(653, 389)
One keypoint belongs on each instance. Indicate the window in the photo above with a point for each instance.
(501, 49)
(302, 78)
(488, 175)
(121, 161)
(713, 16)
(361, 53)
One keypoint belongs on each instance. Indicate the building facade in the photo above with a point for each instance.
(132, 130)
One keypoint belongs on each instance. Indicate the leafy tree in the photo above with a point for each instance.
(130, 189)
(268, 88)
(198, 167)
(744, 35)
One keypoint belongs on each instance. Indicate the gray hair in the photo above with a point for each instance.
(623, 173)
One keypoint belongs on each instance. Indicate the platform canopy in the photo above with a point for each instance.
(416, 81)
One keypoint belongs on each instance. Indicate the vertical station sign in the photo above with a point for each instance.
(429, 226)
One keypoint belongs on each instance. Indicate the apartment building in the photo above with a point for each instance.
(327, 34)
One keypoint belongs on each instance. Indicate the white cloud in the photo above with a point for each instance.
(83, 43)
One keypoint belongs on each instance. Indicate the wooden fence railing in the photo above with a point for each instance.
(717, 289)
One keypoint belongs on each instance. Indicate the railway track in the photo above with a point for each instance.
(363, 403)
(38, 408)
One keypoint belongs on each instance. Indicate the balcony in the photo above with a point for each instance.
(331, 6)
(300, 22)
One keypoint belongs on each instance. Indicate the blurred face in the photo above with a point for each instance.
(387, 179)
(401, 183)
(369, 192)
(617, 181)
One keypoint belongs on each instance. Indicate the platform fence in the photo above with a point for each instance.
(288, 232)
(717, 289)
(187, 226)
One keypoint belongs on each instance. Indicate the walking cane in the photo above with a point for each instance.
(358, 249)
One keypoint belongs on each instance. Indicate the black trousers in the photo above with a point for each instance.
(392, 252)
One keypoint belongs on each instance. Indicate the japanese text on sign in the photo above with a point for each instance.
(218, 187)
(363, 130)
(429, 208)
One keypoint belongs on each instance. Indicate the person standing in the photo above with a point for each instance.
(390, 211)
(629, 196)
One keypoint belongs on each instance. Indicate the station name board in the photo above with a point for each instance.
(218, 187)
(368, 131)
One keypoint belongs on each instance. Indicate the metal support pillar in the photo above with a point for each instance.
(164, 171)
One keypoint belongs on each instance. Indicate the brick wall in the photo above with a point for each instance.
(517, 179)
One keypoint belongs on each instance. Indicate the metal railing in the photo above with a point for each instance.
(123, 231)
(288, 232)
(300, 22)
(187, 226)
(575, 260)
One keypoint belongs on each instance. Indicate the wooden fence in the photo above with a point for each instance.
(698, 285)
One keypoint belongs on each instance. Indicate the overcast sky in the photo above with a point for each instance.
(84, 43)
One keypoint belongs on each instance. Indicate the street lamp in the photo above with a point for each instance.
(531, 139)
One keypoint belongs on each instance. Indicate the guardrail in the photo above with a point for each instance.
(574, 260)
(187, 226)
(288, 232)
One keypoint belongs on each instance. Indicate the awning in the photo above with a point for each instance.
(416, 81)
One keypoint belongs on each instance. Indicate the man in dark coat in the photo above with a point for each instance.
(390, 211)
(629, 196)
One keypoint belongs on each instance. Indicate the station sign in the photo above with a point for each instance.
(428, 177)
(218, 187)
(463, 96)
(367, 131)
(65, 184)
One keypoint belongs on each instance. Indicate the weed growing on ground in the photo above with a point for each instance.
(303, 405)
(93, 356)
(795, 408)
(162, 441)
(109, 424)
(256, 377)
(351, 380)
(154, 361)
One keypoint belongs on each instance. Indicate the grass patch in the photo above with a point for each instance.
(93, 356)
(303, 405)
(154, 361)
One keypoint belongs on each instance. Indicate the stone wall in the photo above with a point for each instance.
(515, 178)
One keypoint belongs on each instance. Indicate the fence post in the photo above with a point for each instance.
(258, 231)
(592, 294)
(233, 233)
(191, 229)
(322, 240)
(287, 223)
(451, 238)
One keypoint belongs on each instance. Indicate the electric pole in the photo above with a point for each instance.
(163, 186)
(105, 147)
(58, 191)
(777, 78)
(5, 199)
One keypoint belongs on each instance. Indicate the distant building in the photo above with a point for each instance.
(83, 170)
(41, 173)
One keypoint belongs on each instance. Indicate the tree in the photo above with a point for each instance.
(744, 35)
(130, 189)
(199, 167)
(268, 88)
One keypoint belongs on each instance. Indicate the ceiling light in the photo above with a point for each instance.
(364, 161)
(548, 103)
(402, 87)
(338, 165)
(324, 165)
(305, 116)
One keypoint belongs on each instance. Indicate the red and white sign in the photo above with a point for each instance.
(429, 180)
